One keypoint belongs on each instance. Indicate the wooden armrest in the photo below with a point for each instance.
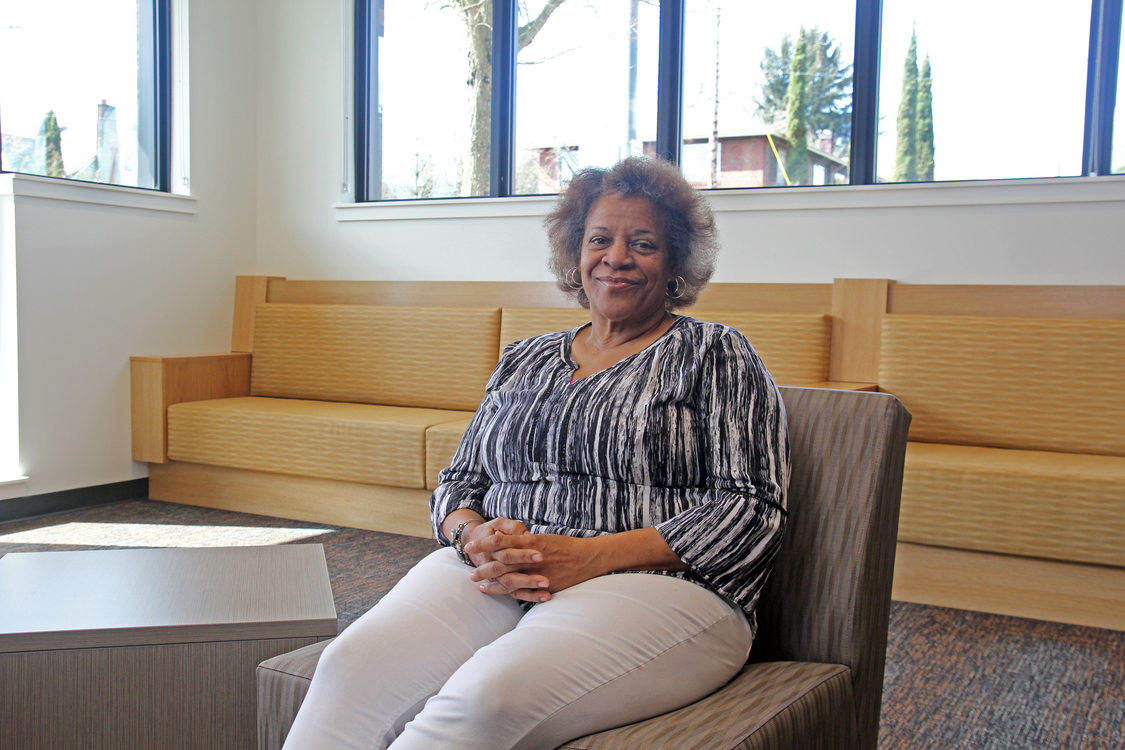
(846, 385)
(836, 385)
(159, 382)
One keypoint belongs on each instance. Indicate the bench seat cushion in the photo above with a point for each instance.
(350, 442)
(1034, 503)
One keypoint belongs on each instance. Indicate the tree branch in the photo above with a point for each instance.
(532, 27)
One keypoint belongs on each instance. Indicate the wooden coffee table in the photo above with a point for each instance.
(150, 648)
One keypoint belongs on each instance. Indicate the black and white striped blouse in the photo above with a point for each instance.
(687, 435)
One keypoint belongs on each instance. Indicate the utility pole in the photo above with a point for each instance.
(715, 118)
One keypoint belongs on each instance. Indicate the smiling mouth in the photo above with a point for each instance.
(612, 282)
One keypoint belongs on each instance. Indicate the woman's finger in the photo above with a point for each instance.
(531, 595)
(509, 583)
(516, 556)
(507, 526)
(495, 569)
(493, 543)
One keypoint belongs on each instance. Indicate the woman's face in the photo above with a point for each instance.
(625, 259)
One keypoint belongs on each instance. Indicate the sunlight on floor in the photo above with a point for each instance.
(159, 535)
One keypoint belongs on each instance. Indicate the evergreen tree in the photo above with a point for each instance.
(906, 147)
(797, 129)
(52, 136)
(829, 90)
(925, 123)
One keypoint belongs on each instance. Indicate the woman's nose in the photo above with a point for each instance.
(618, 253)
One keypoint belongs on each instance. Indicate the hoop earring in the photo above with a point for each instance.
(571, 278)
(678, 287)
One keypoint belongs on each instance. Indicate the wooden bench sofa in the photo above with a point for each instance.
(341, 401)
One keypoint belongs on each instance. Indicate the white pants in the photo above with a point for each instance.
(438, 664)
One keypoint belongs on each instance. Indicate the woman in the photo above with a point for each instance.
(645, 445)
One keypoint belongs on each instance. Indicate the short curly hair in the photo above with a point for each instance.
(688, 223)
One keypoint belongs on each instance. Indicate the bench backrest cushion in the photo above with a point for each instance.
(1049, 384)
(433, 357)
(517, 323)
(794, 346)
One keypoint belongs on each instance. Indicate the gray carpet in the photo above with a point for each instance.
(954, 679)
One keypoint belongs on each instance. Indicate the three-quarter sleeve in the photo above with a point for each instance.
(731, 536)
(463, 483)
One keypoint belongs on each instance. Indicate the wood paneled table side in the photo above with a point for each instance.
(150, 648)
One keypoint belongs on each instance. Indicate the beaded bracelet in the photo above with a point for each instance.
(458, 541)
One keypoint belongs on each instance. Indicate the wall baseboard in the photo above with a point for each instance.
(54, 502)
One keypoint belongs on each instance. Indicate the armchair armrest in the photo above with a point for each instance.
(159, 382)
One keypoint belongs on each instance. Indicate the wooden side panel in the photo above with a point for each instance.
(1010, 300)
(147, 407)
(249, 291)
(766, 298)
(421, 293)
(361, 506)
(1090, 595)
(815, 298)
(858, 307)
(159, 382)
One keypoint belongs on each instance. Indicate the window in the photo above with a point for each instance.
(739, 63)
(425, 124)
(84, 90)
(609, 50)
(960, 101)
(740, 94)
(1117, 149)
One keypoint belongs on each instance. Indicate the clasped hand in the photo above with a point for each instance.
(512, 561)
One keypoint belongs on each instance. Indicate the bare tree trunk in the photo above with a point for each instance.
(477, 15)
(478, 23)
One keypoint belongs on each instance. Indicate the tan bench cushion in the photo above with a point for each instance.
(793, 346)
(1033, 503)
(351, 442)
(441, 443)
(400, 356)
(517, 323)
(1030, 383)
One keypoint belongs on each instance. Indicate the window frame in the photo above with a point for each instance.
(154, 112)
(1102, 73)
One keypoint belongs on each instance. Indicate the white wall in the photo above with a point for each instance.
(133, 274)
(100, 281)
(1025, 232)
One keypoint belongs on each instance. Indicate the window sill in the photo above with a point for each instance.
(48, 188)
(929, 194)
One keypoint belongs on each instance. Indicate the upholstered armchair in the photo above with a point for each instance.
(815, 676)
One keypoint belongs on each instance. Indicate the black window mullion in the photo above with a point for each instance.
(368, 114)
(1101, 86)
(154, 92)
(505, 30)
(865, 91)
(670, 81)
